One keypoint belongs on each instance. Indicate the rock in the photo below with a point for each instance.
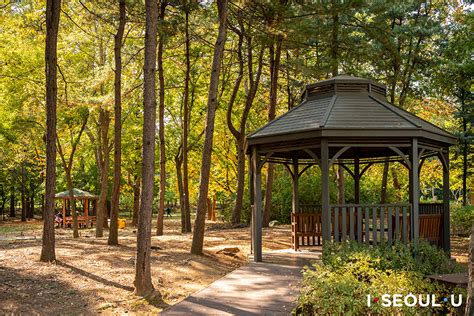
(273, 223)
(230, 251)
(155, 248)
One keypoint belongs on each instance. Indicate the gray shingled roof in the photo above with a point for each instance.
(78, 193)
(347, 106)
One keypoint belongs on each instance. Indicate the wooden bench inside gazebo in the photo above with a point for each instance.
(347, 121)
(85, 218)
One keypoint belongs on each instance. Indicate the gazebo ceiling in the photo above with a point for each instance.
(346, 110)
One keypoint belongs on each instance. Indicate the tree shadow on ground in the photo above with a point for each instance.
(20, 295)
(94, 277)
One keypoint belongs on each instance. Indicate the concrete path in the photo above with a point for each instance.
(266, 288)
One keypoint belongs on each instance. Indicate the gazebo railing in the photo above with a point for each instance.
(370, 223)
(365, 223)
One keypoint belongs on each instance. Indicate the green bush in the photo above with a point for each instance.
(347, 273)
(462, 218)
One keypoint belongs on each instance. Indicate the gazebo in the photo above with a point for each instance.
(88, 218)
(347, 121)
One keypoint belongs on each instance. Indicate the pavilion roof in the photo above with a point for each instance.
(78, 193)
(349, 104)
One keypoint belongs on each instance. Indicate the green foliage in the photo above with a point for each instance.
(462, 219)
(347, 273)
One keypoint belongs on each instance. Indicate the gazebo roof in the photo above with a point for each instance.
(78, 193)
(347, 107)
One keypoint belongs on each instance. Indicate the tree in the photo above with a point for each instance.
(143, 284)
(273, 18)
(198, 234)
(68, 163)
(113, 231)
(53, 8)
(161, 120)
(251, 91)
(470, 287)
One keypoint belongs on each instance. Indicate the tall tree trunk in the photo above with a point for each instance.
(161, 119)
(465, 147)
(12, 202)
(340, 180)
(68, 170)
(23, 193)
(275, 53)
(104, 163)
(470, 287)
(143, 284)
(32, 201)
(199, 225)
(53, 9)
(179, 178)
(4, 200)
(239, 135)
(383, 191)
(185, 208)
(113, 231)
(136, 201)
(239, 198)
(72, 203)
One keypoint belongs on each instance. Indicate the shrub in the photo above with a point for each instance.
(462, 218)
(347, 273)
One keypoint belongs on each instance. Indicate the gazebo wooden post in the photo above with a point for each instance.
(446, 224)
(326, 218)
(86, 210)
(295, 196)
(252, 233)
(257, 207)
(64, 212)
(356, 181)
(414, 190)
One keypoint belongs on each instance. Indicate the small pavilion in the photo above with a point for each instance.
(347, 121)
(89, 207)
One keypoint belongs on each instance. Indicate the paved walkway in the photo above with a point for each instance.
(266, 288)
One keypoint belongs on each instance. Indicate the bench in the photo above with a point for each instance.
(306, 228)
(431, 228)
(81, 221)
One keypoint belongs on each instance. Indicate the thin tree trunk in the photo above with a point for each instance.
(275, 53)
(143, 284)
(240, 134)
(113, 231)
(12, 202)
(4, 200)
(465, 146)
(185, 208)
(68, 170)
(104, 162)
(32, 201)
(136, 201)
(383, 192)
(179, 178)
(23, 193)
(470, 287)
(53, 9)
(72, 203)
(198, 234)
(161, 119)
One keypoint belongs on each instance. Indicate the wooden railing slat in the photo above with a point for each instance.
(344, 223)
(367, 226)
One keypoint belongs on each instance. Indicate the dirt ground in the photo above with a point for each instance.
(91, 277)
